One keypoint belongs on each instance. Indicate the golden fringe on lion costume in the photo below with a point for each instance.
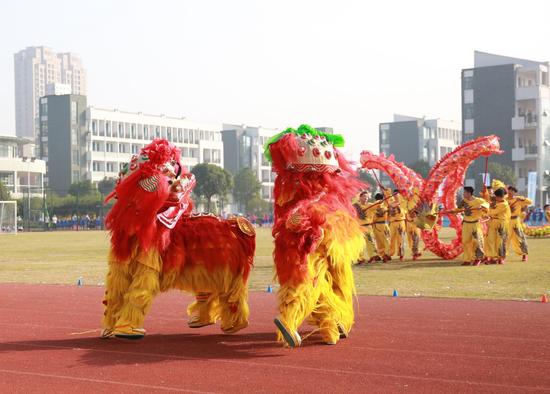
(317, 236)
(157, 245)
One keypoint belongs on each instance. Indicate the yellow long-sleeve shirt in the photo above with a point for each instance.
(397, 208)
(500, 210)
(517, 205)
(365, 212)
(474, 209)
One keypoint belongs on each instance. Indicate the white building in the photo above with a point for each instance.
(113, 136)
(36, 68)
(20, 174)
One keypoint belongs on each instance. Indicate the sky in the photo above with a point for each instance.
(344, 64)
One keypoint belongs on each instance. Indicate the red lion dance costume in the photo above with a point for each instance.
(155, 245)
(317, 236)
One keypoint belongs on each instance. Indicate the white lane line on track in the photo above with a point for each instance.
(296, 367)
(91, 380)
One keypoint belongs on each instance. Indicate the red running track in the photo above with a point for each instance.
(397, 345)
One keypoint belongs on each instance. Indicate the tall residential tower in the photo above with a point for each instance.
(40, 71)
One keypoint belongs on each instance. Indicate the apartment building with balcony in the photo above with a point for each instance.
(19, 173)
(510, 97)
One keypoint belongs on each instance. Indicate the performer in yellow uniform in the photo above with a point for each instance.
(516, 237)
(497, 234)
(547, 212)
(473, 209)
(380, 227)
(396, 218)
(413, 232)
(365, 214)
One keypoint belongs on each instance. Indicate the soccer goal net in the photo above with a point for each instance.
(8, 217)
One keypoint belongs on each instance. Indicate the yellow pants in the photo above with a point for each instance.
(370, 245)
(326, 299)
(413, 237)
(130, 290)
(497, 238)
(516, 237)
(472, 242)
(381, 235)
(397, 239)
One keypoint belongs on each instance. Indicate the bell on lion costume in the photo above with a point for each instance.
(154, 242)
(317, 236)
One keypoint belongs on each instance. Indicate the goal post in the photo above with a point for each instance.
(8, 217)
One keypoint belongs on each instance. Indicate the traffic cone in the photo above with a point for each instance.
(544, 299)
(395, 293)
(80, 281)
(269, 289)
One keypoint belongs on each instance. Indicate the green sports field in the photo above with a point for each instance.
(63, 257)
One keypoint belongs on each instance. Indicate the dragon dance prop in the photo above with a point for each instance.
(317, 236)
(156, 244)
(438, 190)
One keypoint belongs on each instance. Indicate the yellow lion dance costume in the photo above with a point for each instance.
(317, 235)
(156, 245)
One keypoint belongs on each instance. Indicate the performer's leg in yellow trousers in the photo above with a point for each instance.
(497, 238)
(413, 239)
(327, 299)
(472, 243)
(516, 238)
(369, 253)
(382, 234)
(131, 288)
(397, 240)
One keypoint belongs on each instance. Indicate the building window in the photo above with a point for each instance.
(185, 136)
(265, 176)
(110, 147)
(133, 127)
(76, 176)
(468, 111)
(206, 155)
(157, 132)
(94, 127)
(468, 82)
(135, 148)
(95, 146)
(216, 156)
(75, 155)
(169, 134)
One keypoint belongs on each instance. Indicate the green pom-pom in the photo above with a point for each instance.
(335, 139)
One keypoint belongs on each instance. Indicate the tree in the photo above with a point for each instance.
(498, 171)
(81, 188)
(247, 187)
(421, 167)
(106, 185)
(4, 193)
(211, 181)
(366, 177)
